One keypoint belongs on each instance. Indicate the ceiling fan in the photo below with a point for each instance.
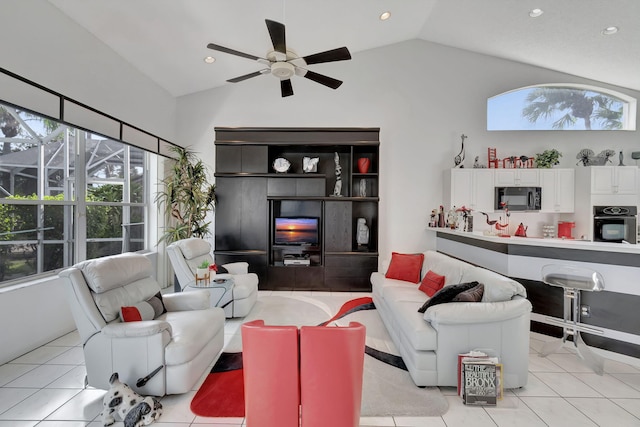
(283, 63)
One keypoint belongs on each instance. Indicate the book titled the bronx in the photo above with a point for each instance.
(480, 382)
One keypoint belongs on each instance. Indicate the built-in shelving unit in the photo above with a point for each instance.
(251, 194)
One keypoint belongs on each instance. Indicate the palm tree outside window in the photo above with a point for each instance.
(561, 107)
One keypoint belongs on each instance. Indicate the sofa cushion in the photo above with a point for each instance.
(109, 302)
(405, 267)
(431, 283)
(419, 334)
(496, 286)
(452, 269)
(191, 331)
(472, 295)
(193, 247)
(104, 274)
(446, 294)
(403, 293)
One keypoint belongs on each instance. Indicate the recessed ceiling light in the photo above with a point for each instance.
(209, 59)
(610, 30)
(534, 13)
(385, 15)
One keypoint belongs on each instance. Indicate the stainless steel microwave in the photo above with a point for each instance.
(518, 198)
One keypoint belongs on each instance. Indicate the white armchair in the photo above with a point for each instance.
(187, 254)
(166, 355)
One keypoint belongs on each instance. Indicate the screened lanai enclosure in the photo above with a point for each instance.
(66, 195)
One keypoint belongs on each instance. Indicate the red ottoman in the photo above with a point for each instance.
(331, 369)
(271, 379)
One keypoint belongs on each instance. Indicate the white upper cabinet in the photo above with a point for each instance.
(557, 190)
(516, 178)
(614, 180)
(472, 188)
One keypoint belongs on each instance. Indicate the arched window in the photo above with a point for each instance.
(561, 107)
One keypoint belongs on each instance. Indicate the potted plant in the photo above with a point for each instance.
(202, 271)
(548, 158)
(186, 196)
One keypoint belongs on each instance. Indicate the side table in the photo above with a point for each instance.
(220, 289)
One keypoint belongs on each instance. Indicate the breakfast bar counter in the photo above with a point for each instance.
(614, 310)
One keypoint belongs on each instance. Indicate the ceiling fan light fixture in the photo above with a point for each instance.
(282, 70)
(534, 13)
(610, 30)
(385, 15)
(209, 59)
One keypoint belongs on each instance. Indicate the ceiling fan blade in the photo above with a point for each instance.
(286, 88)
(248, 76)
(276, 31)
(323, 80)
(233, 52)
(339, 54)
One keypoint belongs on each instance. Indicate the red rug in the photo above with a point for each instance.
(222, 393)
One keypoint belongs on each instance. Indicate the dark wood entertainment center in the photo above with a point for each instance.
(250, 194)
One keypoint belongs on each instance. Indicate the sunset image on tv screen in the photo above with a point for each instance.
(296, 231)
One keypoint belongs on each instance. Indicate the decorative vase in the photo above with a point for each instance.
(363, 164)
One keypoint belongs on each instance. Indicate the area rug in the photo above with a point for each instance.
(387, 387)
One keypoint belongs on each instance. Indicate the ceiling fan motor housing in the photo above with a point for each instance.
(282, 70)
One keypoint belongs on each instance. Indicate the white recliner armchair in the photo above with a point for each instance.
(165, 355)
(187, 254)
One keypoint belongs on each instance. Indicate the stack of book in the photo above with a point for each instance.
(479, 378)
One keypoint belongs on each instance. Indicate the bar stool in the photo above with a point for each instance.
(573, 280)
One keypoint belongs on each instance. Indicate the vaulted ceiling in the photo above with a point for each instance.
(167, 39)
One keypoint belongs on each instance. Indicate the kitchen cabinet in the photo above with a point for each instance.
(557, 190)
(516, 177)
(614, 180)
(472, 188)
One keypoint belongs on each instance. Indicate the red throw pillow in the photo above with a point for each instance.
(405, 267)
(431, 283)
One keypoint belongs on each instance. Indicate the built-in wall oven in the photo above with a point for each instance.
(616, 224)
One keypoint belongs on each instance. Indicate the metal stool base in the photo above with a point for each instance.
(571, 326)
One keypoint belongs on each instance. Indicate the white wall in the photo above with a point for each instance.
(423, 96)
(42, 44)
(31, 316)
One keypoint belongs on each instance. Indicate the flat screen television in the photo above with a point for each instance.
(296, 231)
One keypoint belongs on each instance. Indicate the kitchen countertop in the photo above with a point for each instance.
(585, 245)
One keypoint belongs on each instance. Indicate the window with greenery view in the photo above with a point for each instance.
(66, 195)
(561, 107)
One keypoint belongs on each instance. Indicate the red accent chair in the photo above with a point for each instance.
(331, 371)
(271, 375)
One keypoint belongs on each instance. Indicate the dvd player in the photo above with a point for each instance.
(297, 261)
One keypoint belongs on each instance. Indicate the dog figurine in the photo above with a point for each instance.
(131, 408)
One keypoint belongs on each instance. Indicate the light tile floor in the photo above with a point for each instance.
(45, 388)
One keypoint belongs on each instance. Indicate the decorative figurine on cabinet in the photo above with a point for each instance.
(337, 190)
(310, 164)
(362, 236)
(460, 157)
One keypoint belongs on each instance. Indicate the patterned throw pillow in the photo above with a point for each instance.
(446, 294)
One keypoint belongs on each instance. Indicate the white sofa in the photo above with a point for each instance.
(171, 352)
(429, 343)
